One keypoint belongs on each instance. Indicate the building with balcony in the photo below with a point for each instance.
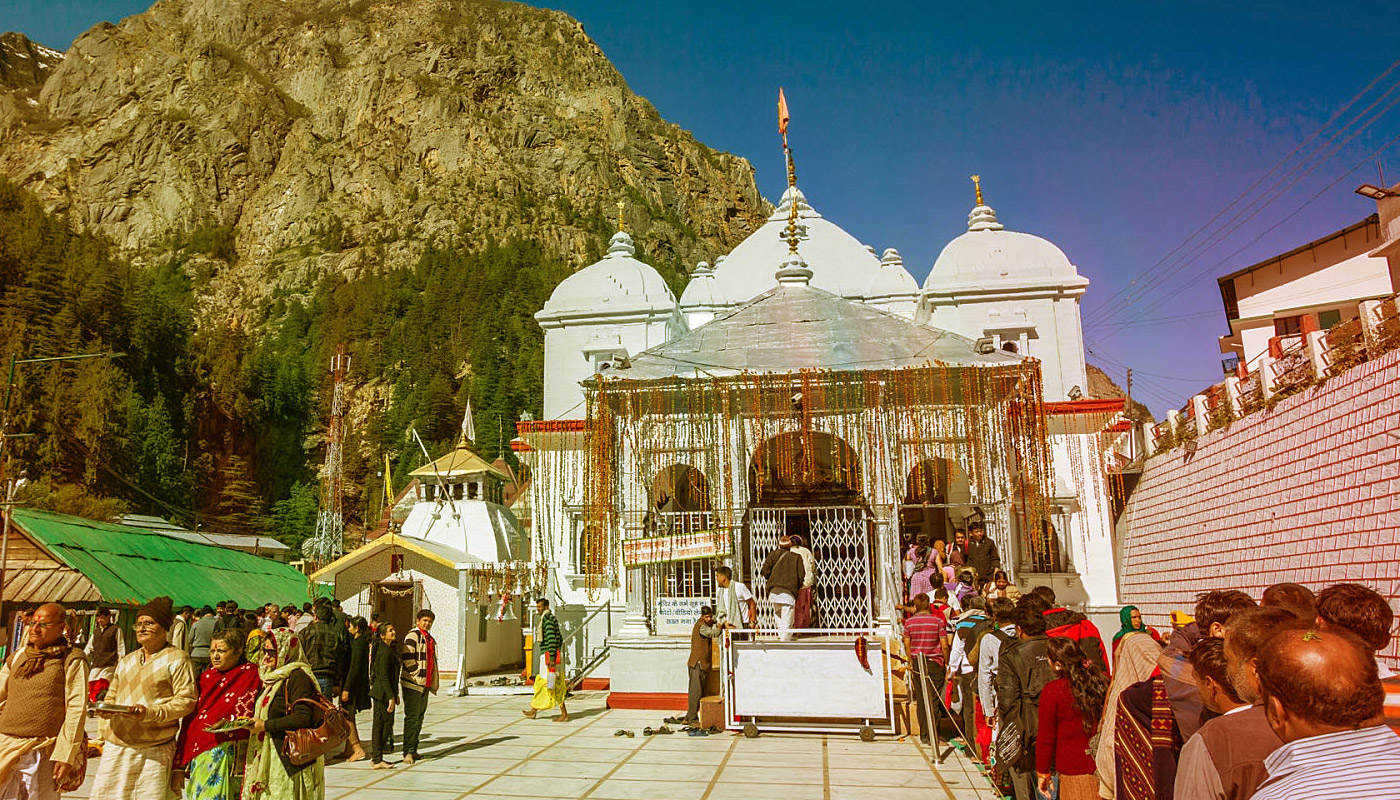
(1275, 302)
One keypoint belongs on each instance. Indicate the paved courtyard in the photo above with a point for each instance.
(482, 748)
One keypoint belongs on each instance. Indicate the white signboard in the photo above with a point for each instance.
(810, 678)
(675, 616)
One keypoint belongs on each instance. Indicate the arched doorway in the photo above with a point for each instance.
(937, 499)
(680, 504)
(810, 484)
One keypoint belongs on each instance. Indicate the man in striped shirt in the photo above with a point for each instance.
(926, 642)
(1364, 612)
(1322, 696)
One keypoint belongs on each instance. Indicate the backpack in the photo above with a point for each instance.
(972, 640)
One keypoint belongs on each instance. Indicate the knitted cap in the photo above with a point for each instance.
(161, 609)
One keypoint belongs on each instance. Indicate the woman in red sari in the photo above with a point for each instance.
(211, 764)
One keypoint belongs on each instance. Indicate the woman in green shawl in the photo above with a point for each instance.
(286, 678)
(1132, 622)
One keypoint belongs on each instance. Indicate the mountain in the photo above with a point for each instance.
(241, 186)
(309, 138)
(24, 65)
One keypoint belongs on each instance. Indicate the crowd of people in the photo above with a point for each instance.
(204, 707)
(1284, 697)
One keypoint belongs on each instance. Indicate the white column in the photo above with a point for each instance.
(1232, 397)
(1266, 375)
(1198, 413)
(1317, 353)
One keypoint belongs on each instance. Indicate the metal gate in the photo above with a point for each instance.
(840, 539)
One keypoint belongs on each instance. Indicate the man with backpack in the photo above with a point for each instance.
(962, 664)
(1024, 671)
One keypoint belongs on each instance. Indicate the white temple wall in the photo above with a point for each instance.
(1043, 321)
(574, 349)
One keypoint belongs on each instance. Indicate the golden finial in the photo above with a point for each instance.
(977, 181)
(791, 234)
(621, 223)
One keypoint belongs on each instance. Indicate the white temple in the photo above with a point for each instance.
(993, 298)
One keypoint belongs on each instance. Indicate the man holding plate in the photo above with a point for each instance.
(152, 689)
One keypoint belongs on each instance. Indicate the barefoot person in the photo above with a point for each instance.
(158, 683)
(420, 678)
(43, 702)
(550, 686)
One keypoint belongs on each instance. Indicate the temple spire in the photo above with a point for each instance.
(621, 223)
(977, 182)
(784, 117)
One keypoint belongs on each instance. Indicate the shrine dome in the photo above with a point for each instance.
(840, 264)
(617, 283)
(703, 290)
(892, 280)
(990, 255)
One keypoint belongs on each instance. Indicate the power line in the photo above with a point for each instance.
(1389, 143)
(1108, 304)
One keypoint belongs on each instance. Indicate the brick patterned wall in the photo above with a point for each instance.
(1307, 492)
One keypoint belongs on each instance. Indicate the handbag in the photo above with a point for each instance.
(304, 745)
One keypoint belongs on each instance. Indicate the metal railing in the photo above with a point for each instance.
(1291, 365)
(581, 649)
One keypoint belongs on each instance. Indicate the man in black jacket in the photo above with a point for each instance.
(982, 552)
(323, 643)
(1024, 670)
(783, 571)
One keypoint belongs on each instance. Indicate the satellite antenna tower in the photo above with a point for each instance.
(329, 542)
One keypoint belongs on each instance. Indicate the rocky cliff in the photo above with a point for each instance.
(282, 140)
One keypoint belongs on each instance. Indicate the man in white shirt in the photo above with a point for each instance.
(1323, 697)
(735, 606)
(806, 596)
(1003, 611)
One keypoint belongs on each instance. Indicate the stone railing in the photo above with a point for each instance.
(1293, 364)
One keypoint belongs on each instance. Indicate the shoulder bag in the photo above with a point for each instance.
(304, 745)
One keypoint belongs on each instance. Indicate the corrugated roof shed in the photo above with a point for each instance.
(128, 567)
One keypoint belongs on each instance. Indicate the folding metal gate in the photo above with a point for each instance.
(840, 539)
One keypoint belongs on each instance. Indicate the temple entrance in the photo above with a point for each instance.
(809, 484)
(937, 500)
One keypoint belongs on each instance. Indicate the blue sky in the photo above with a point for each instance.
(1115, 130)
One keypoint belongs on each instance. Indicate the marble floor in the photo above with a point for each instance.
(483, 749)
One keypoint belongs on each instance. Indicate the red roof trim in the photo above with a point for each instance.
(550, 425)
(1112, 405)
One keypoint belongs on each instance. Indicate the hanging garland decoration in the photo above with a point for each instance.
(807, 433)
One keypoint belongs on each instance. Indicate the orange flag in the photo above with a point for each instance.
(783, 116)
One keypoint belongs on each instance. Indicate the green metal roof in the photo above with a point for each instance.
(129, 566)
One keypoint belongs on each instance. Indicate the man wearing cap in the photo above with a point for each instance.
(157, 683)
(43, 703)
(783, 571)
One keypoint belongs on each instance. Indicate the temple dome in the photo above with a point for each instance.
(990, 255)
(703, 290)
(840, 264)
(617, 283)
(892, 280)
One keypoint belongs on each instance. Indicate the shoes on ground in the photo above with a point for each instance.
(698, 732)
(663, 729)
(647, 731)
(674, 720)
(621, 732)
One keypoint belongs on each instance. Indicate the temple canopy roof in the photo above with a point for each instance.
(794, 327)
